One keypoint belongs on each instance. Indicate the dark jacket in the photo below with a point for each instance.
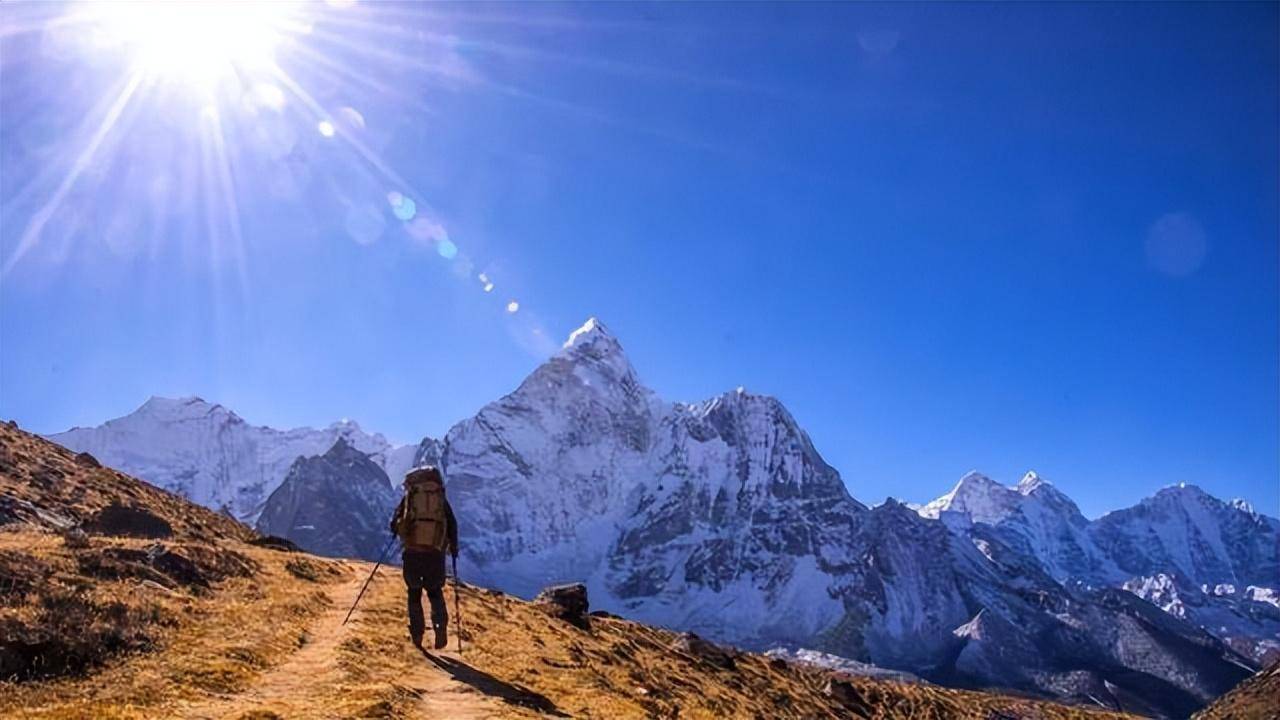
(451, 525)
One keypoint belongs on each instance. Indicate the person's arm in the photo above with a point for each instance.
(452, 524)
(395, 518)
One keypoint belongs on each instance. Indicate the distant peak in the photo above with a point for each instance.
(975, 478)
(1031, 482)
(159, 402)
(593, 346)
(1182, 489)
(591, 332)
(342, 449)
(187, 407)
(984, 499)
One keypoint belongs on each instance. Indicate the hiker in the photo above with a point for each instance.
(424, 523)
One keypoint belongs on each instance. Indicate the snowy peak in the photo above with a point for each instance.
(592, 341)
(163, 409)
(979, 497)
(1030, 483)
(593, 332)
(595, 356)
(1182, 494)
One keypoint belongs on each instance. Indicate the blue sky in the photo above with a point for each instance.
(948, 237)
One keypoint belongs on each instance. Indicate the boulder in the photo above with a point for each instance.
(705, 650)
(843, 692)
(84, 459)
(75, 538)
(566, 602)
(275, 542)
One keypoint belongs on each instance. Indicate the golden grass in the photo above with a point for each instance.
(203, 645)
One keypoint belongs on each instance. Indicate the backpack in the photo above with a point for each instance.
(424, 525)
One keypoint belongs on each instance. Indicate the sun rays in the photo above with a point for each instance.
(237, 77)
(193, 113)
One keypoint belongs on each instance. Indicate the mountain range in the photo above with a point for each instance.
(721, 517)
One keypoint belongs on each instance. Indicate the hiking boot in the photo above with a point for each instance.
(416, 638)
(442, 637)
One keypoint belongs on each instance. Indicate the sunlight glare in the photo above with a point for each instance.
(194, 43)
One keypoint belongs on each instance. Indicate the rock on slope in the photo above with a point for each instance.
(207, 623)
(336, 504)
(208, 454)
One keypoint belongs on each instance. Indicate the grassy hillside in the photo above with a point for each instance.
(157, 608)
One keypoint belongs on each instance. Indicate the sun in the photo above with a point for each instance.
(197, 43)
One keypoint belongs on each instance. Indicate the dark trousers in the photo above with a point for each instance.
(424, 570)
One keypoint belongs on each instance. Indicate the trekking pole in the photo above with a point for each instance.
(382, 555)
(457, 606)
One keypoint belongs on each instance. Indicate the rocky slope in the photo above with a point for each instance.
(208, 454)
(170, 610)
(336, 504)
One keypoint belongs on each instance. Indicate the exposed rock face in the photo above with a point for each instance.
(336, 504)
(206, 453)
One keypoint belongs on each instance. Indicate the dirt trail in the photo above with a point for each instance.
(298, 686)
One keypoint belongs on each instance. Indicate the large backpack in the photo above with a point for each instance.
(424, 525)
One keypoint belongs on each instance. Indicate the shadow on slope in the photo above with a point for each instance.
(492, 686)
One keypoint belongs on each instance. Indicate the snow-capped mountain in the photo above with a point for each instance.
(1210, 562)
(544, 473)
(722, 517)
(1188, 532)
(1033, 517)
(208, 454)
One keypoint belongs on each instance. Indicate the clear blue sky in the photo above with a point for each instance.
(948, 237)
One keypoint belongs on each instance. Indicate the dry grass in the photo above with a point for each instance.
(186, 644)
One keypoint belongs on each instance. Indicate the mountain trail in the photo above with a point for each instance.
(298, 686)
